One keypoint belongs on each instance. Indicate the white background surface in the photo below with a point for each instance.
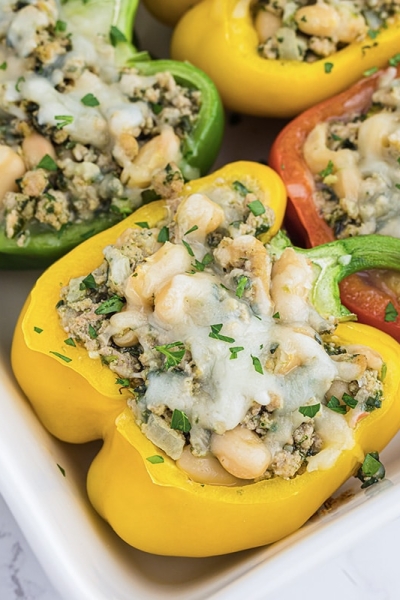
(363, 566)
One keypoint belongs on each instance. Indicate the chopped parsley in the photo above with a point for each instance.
(256, 207)
(335, 405)
(3, 66)
(112, 305)
(241, 188)
(328, 66)
(90, 100)
(241, 285)
(174, 352)
(37, 329)
(370, 71)
(215, 334)
(310, 411)
(180, 422)
(163, 235)
(88, 282)
(257, 364)
(61, 469)
(61, 356)
(194, 228)
(142, 224)
(63, 120)
(391, 313)
(18, 84)
(156, 459)
(70, 342)
(328, 170)
(235, 351)
(371, 471)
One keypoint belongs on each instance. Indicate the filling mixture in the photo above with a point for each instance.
(232, 372)
(308, 30)
(79, 136)
(356, 164)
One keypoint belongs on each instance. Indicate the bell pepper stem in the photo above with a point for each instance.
(336, 260)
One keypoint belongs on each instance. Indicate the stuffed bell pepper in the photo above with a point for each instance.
(205, 351)
(278, 58)
(90, 128)
(340, 164)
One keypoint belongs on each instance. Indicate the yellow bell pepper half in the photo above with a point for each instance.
(219, 37)
(156, 507)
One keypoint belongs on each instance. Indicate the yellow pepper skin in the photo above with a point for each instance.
(168, 11)
(155, 507)
(219, 37)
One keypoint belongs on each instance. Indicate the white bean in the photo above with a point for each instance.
(34, 148)
(205, 469)
(12, 167)
(241, 452)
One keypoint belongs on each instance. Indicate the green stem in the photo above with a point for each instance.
(336, 260)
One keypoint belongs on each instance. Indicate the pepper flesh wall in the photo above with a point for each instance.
(304, 447)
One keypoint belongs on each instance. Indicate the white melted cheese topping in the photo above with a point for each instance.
(100, 125)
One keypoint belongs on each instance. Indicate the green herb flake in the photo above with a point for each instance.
(3, 66)
(370, 71)
(37, 329)
(61, 469)
(394, 60)
(156, 459)
(124, 381)
(257, 364)
(328, 66)
(328, 170)
(188, 248)
(309, 411)
(107, 360)
(241, 286)
(383, 372)
(373, 33)
(112, 305)
(241, 188)
(194, 228)
(70, 342)
(149, 195)
(256, 207)
(349, 400)
(116, 36)
(63, 120)
(335, 405)
(60, 27)
(90, 100)
(201, 265)
(235, 351)
(180, 422)
(92, 332)
(88, 283)
(61, 356)
(276, 315)
(391, 313)
(142, 224)
(163, 236)
(371, 471)
(18, 84)
(372, 403)
(215, 334)
(174, 352)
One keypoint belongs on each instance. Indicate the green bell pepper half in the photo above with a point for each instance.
(115, 20)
